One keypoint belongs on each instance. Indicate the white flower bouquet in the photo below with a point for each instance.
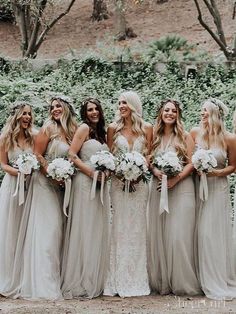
(60, 169)
(203, 160)
(26, 162)
(131, 167)
(169, 163)
(103, 161)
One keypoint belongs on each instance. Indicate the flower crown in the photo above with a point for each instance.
(66, 100)
(220, 105)
(173, 101)
(17, 105)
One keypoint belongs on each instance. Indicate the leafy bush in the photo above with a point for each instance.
(6, 13)
(100, 78)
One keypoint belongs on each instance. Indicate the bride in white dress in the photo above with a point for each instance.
(128, 259)
(40, 236)
(216, 250)
(16, 138)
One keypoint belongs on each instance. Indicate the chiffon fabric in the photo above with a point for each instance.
(216, 246)
(10, 218)
(171, 262)
(36, 273)
(85, 253)
(128, 257)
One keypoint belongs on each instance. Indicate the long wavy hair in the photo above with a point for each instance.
(212, 134)
(12, 128)
(178, 130)
(234, 121)
(97, 132)
(138, 124)
(67, 121)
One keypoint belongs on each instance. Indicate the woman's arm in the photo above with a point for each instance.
(78, 140)
(110, 135)
(231, 153)
(40, 147)
(5, 162)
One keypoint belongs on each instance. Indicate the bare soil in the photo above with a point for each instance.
(150, 21)
(154, 304)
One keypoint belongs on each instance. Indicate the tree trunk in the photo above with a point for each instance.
(100, 11)
(123, 31)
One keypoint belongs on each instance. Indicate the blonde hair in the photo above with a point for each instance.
(178, 130)
(138, 124)
(234, 121)
(213, 133)
(12, 128)
(68, 122)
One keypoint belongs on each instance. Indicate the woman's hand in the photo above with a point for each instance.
(157, 173)
(171, 182)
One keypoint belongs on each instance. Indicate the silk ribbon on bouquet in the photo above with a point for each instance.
(203, 188)
(94, 185)
(66, 195)
(164, 195)
(20, 188)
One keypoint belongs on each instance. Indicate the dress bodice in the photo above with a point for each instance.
(14, 153)
(89, 148)
(124, 147)
(56, 148)
(220, 156)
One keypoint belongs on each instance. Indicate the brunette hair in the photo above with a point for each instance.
(97, 132)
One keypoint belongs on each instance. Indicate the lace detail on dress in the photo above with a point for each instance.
(128, 261)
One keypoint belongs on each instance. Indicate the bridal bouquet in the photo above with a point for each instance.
(169, 163)
(60, 169)
(26, 162)
(203, 160)
(103, 160)
(130, 167)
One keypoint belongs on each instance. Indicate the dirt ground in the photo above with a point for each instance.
(77, 32)
(153, 304)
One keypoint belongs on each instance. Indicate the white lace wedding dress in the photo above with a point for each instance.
(128, 259)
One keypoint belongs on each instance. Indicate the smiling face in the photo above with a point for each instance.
(204, 114)
(56, 110)
(26, 117)
(92, 112)
(124, 109)
(169, 113)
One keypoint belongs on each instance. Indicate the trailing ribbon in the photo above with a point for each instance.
(164, 195)
(66, 195)
(203, 188)
(20, 188)
(94, 185)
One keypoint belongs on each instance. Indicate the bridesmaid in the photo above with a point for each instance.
(42, 222)
(85, 255)
(171, 235)
(215, 247)
(128, 260)
(16, 138)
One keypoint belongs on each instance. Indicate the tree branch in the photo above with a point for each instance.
(213, 35)
(51, 24)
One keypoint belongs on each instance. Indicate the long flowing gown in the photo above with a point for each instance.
(128, 258)
(216, 249)
(38, 252)
(85, 253)
(10, 218)
(171, 261)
